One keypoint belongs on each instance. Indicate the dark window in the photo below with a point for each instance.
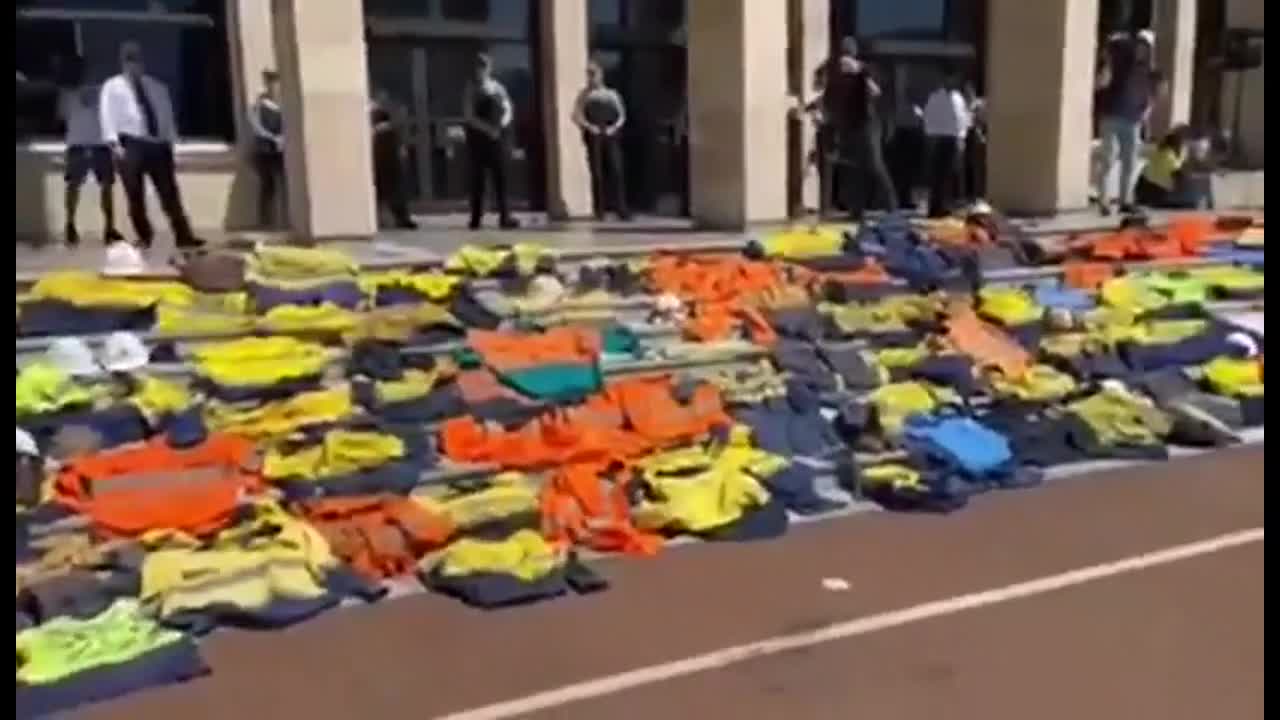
(184, 44)
(901, 18)
(397, 8)
(606, 13)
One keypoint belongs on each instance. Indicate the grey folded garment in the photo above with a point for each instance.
(856, 372)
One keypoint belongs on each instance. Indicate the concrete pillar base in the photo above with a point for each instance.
(1040, 104)
(737, 112)
(324, 84)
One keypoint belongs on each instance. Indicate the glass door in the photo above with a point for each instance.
(395, 78)
(425, 81)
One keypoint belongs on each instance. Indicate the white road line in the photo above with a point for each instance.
(610, 684)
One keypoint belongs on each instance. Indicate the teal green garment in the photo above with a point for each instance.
(619, 340)
(467, 359)
(558, 383)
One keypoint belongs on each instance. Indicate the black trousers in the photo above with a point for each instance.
(488, 159)
(863, 149)
(946, 162)
(143, 159)
(388, 179)
(270, 168)
(608, 185)
(906, 161)
(975, 166)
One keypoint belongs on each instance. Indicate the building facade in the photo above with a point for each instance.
(708, 85)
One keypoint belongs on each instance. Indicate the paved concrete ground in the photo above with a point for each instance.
(1181, 640)
(440, 235)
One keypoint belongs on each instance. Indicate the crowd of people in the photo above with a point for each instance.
(125, 128)
(946, 137)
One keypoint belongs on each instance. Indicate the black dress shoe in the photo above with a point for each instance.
(508, 223)
(187, 243)
(71, 236)
(112, 235)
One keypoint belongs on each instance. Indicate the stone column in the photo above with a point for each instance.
(1040, 78)
(1175, 28)
(562, 30)
(737, 111)
(809, 32)
(324, 84)
(252, 51)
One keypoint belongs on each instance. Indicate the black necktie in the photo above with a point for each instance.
(148, 110)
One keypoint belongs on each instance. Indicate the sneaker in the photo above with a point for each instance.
(71, 236)
(112, 235)
(508, 223)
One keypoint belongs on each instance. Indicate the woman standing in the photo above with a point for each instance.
(268, 149)
(600, 113)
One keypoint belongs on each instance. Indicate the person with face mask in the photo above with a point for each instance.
(600, 113)
(137, 124)
(488, 113)
(1129, 85)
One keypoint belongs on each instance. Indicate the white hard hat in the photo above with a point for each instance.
(124, 351)
(980, 207)
(26, 443)
(123, 259)
(1245, 342)
(72, 356)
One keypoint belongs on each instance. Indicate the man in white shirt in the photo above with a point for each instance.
(86, 152)
(946, 123)
(138, 126)
(487, 110)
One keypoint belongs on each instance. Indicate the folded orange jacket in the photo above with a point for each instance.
(722, 289)
(985, 343)
(586, 504)
(507, 351)
(157, 487)
(627, 419)
(380, 536)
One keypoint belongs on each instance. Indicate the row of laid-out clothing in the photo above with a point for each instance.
(281, 476)
(227, 293)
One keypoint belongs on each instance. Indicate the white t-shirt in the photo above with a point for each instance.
(79, 108)
(946, 114)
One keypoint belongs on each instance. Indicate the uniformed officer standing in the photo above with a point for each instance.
(600, 113)
(488, 113)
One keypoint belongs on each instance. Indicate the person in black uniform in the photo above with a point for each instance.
(600, 113)
(487, 109)
(268, 150)
(388, 163)
(855, 96)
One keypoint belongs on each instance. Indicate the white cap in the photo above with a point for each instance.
(123, 259)
(1148, 37)
(1244, 342)
(124, 351)
(26, 443)
(72, 356)
(980, 207)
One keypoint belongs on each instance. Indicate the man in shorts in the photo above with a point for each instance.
(87, 152)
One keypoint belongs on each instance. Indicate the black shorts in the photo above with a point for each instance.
(83, 159)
